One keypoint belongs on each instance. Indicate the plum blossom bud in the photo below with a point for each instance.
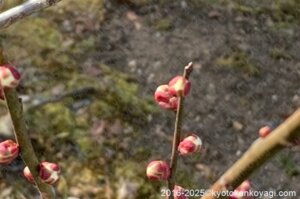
(242, 192)
(179, 193)
(189, 145)
(27, 175)
(164, 99)
(9, 76)
(48, 172)
(9, 150)
(178, 85)
(158, 170)
(264, 131)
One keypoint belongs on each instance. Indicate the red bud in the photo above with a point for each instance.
(158, 170)
(27, 174)
(189, 145)
(264, 131)
(179, 85)
(179, 192)
(9, 150)
(9, 76)
(241, 191)
(48, 172)
(164, 99)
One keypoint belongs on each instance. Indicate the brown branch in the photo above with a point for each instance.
(29, 7)
(177, 134)
(259, 152)
(28, 155)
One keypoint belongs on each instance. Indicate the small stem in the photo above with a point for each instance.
(259, 152)
(177, 134)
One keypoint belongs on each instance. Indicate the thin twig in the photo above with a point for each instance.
(29, 7)
(259, 152)
(28, 155)
(177, 134)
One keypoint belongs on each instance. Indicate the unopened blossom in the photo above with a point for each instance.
(48, 172)
(242, 192)
(158, 170)
(264, 131)
(9, 76)
(178, 85)
(164, 99)
(189, 145)
(9, 150)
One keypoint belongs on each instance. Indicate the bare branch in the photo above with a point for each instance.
(16, 13)
(260, 151)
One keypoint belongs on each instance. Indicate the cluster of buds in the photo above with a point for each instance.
(166, 95)
(9, 150)
(242, 192)
(48, 172)
(9, 78)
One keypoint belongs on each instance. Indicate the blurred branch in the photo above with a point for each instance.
(16, 13)
(259, 152)
(28, 155)
(77, 93)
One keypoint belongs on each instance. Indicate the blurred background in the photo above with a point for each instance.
(90, 68)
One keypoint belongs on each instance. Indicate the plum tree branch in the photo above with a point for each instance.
(28, 155)
(177, 134)
(15, 109)
(259, 152)
(29, 7)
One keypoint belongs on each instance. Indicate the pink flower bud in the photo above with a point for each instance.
(27, 175)
(9, 76)
(242, 192)
(179, 85)
(189, 145)
(48, 172)
(164, 99)
(9, 150)
(158, 170)
(264, 131)
(179, 192)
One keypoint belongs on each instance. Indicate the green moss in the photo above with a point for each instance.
(163, 25)
(244, 9)
(277, 53)
(287, 164)
(238, 60)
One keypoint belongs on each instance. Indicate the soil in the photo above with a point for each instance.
(227, 105)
